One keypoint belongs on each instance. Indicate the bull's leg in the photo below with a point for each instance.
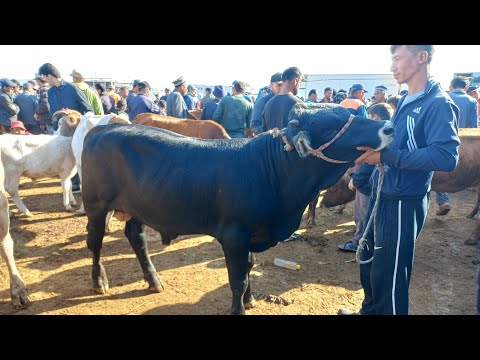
(248, 299)
(311, 211)
(477, 205)
(18, 290)
(236, 248)
(11, 186)
(135, 235)
(96, 231)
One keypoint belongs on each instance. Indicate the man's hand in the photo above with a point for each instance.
(35, 116)
(370, 156)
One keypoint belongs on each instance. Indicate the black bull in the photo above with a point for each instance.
(248, 194)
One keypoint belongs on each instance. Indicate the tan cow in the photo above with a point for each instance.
(204, 129)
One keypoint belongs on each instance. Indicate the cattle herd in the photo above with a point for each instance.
(184, 177)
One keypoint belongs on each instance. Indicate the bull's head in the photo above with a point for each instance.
(312, 126)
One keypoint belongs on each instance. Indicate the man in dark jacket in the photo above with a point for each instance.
(8, 109)
(275, 87)
(107, 101)
(63, 95)
(42, 115)
(426, 140)
(27, 101)
(142, 102)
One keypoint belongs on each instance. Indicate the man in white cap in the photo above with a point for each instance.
(176, 106)
(92, 96)
(380, 94)
(8, 110)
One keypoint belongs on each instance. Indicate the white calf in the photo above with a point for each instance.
(18, 291)
(36, 157)
(82, 124)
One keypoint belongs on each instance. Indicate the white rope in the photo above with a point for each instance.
(373, 216)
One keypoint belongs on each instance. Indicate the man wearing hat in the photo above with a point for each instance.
(355, 103)
(8, 109)
(380, 94)
(92, 96)
(167, 92)
(473, 92)
(211, 105)
(176, 106)
(27, 101)
(18, 128)
(276, 84)
(191, 98)
(142, 102)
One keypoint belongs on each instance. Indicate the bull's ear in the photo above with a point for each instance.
(293, 123)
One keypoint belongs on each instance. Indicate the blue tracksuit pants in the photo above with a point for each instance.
(386, 279)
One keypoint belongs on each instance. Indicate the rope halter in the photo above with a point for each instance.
(317, 152)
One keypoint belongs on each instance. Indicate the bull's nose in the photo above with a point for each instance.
(388, 130)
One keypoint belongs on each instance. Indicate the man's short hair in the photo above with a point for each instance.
(240, 86)
(208, 89)
(313, 91)
(48, 69)
(292, 73)
(383, 110)
(415, 49)
(327, 89)
(459, 82)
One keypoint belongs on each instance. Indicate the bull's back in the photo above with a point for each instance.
(152, 173)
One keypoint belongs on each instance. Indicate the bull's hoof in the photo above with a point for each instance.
(29, 214)
(80, 213)
(250, 304)
(338, 211)
(20, 300)
(471, 242)
(101, 290)
(69, 209)
(443, 209)
(156, 289)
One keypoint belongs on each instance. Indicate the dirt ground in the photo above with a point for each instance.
(52, 257)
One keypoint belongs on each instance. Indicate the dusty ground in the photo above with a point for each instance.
(56, 265)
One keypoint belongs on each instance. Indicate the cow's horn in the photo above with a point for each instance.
(293, 123)
(59, 112)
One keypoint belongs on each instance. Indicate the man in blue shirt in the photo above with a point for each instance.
(276, 84)
(426, 140)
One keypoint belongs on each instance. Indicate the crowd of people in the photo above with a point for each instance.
(426, 119)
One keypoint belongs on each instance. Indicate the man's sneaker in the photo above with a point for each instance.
(76, 190)
(348, 246)
(343, 311)
(443, 209)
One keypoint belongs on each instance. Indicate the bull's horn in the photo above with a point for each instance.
(59, 112)
(293, 123)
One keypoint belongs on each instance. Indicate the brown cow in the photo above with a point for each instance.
(465, 175)
(195, 114)
(204, 129)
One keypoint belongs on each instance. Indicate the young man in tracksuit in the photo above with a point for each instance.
(426, 140)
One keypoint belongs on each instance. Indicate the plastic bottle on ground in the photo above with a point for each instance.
(286, 264)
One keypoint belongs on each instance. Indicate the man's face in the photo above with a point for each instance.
(49, 79)
(296, 85)
(9, 89)
(276, 87)
(405, 64)
(474, 94)
(328, 94)
(167, 92)
(379, 95)
(182, 89)
(17, 131)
